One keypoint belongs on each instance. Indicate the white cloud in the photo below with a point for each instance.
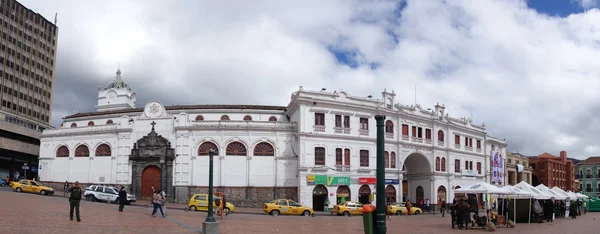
(531, 78)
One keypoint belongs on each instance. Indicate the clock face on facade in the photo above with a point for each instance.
(154, 109)
(112, 95)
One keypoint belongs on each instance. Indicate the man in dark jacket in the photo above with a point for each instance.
(464, 212)
(453, 209)
(122, 199)
(74, 200)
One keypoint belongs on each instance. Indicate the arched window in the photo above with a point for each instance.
(73, 125)
(443, 164)
(199, 118)
(247, 118)
(236, 148)
(389, 126)
(441, 136)
(264, 149)
(103, 150)
(224, 118)
(273, 118)
(82, 151)
(109, 122)
(204, 148)
(437, 163)
(386, 157)
(393, 160)
(62, 151)
(91, 123)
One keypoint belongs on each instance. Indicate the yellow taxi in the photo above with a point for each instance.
(348, 208)
(400, 208)
(200, 202)
(31, 186)
(286, 206)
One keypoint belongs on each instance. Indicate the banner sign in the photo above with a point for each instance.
(497, 162)
(327, 180)
(367, 180)
(392, 181)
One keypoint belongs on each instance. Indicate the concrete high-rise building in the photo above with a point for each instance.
(27, 62)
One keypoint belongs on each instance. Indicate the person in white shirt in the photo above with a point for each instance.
(164, 197)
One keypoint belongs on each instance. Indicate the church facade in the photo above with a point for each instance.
(321, 146)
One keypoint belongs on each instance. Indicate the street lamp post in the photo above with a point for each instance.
(210, 217)
(210, 225)
(380, 225)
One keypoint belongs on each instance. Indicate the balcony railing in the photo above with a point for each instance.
(389, 135)
(342, 130)
(405, 138)
(363, 132)
(440, 143)
(457, 146)
(468, 148)
(319, 128)
(478, 150)
(342, 167)
(588, 176)
(428, 141)
(420, 140)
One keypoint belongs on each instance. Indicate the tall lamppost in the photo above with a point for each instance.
(210, 218)
(381, 206)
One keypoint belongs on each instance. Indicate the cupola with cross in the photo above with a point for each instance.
(116, 95)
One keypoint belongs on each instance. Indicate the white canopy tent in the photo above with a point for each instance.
(514, 193)
(560, 191)
(535, 193)
(555, 195)
(481, 187)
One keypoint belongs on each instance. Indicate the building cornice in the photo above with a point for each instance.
(240, 125)
(86, 130)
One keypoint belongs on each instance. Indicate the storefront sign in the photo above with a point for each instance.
(392, 181)
(338, 180)
(327, 180)
(316, 179)
(367, 180)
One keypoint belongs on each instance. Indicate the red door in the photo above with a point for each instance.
(150, 177)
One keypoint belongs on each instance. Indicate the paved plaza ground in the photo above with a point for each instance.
(31, 213)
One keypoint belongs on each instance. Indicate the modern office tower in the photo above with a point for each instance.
(27, 62)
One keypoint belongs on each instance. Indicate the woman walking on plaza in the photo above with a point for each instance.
(157, 201)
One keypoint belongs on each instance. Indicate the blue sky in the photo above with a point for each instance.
(560, 8)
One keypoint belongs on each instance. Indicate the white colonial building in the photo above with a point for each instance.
(320, 147)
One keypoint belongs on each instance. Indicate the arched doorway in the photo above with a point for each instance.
(420, 195)
(419, 176)
(343, 194)
(441, 195)
(363, 194)
(150, 177)
(390, 192)
(319, 197)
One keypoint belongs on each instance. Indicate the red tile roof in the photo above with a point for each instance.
(547, 155)
(591, 160)
(183, 107)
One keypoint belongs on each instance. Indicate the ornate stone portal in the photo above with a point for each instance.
(152, 165)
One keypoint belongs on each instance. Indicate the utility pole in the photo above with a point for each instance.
(381, 206)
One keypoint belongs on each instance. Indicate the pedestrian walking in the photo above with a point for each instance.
(454, 213)
(74, 200)
(122, 198)
(164, 200)
(443, 208)
(408, 205)
(66, 188)
(157, 201)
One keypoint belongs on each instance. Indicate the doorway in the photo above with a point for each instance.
(319, 197)
(363, 194)
(150, 177)
(390, 193)
(420, 194)
(343, 194)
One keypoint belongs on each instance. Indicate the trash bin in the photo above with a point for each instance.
(368, 218)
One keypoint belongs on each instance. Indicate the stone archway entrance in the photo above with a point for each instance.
(419, 175)
(343, 194)
(150, 178)
(319, 197)
(363, 194)
(152, 165)
(390, 193)
(441, 195)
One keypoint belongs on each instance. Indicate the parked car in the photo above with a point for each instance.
(31, 186)
(105, 194)
(200, 202)
(348, 208)
(399, 208)
(2, 183)
(286, 206)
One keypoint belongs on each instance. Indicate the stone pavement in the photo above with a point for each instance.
(31, 213)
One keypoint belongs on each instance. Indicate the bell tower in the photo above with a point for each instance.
(116, 96)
